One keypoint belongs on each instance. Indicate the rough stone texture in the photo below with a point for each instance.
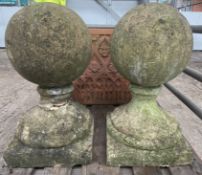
(76, 153)
(48, 44)
(20, 95)
(148, 48)
(52, 135)
(54, 127)
(151, 44)
(54, 96)
(141, 133)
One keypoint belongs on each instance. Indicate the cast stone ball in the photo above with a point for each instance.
(48, 44)
(151, 44)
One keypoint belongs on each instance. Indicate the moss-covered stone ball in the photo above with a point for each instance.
(48, 44)
(151, 44)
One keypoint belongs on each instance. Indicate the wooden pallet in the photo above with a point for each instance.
(96, 169)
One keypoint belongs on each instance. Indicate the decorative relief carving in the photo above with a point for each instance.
(101, 83)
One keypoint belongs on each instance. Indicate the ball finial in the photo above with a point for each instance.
(48, 44)
(151, 44)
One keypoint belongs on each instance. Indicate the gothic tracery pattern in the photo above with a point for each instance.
(101, 83)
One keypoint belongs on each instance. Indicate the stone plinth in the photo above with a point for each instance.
(141, 133)
(50, 45)
(148, 48)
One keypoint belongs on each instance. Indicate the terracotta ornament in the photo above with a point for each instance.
(101, 83)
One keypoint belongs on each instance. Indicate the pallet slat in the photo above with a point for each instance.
(22, 171)
(38, 172)
(182, 170)
(146, 171)
(59, 170)
(165, 171)
(188, 121)
(197, 165)
(126, 171)
(96, 169)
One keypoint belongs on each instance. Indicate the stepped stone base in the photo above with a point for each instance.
(122, 155)
(19, 155)
(49, 135)
(140, 133)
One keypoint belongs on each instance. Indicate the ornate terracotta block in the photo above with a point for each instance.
(101, 83)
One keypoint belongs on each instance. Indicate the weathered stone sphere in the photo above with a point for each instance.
(48, 44)
(151, 44)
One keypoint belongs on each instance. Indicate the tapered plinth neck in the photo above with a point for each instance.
(55, 96)
(144, 91)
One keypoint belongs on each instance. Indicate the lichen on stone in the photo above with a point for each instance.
(151, 44)
(148, 48)
(141, 133)
(61, 126)
(48, 44)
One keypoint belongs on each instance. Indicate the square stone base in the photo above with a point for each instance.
(19, 155)
(119, 154)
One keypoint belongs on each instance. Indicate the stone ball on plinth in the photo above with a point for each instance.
(151, 44)
(48, 44)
